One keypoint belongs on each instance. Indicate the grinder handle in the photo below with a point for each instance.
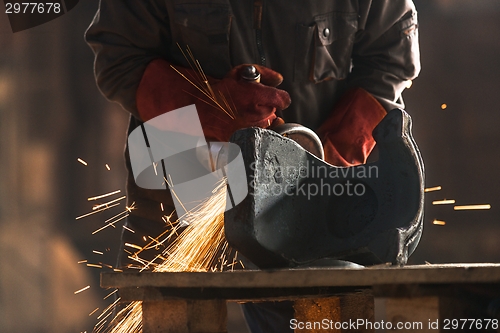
(250, 73)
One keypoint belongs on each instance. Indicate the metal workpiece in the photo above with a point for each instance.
(301, 210)
(304, 136)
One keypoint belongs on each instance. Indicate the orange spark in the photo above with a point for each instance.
(95, 310)
(103, 195)
(111, 293)
(438, 222)
(111, 224)
(133, 246)
(82, 161)
(472, 207)
(443, 202)
(97, 211)
(131, 208)
(106, 204)
(128, 229)
(432, 189)
(83, 289)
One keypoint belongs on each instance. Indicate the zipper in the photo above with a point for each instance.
(257, 25)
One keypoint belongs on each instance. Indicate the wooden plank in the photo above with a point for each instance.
(184, 316)
(334, 314)
(420, 314)
(419, 274)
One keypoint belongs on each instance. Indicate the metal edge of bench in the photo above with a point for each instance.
(311, 277)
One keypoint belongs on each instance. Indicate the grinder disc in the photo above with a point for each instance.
(304, 136)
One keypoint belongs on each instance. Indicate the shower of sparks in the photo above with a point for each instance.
(443, 202)
(107, 167)
(161, 206)
(82, 161)
(83, 289)
(432, 189)
(98, 252)
(82, 261)
(200, 81)
(103, 195)
(438, 222)
(200, 247)
(472, 207)
(197, 246)
(443, 106)
(128, 320)
(100, 325)
(94, 265)
(109, 307)
(106, 204)
(97, 211)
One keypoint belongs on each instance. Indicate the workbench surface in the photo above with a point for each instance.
(299, 282)
(310, 277)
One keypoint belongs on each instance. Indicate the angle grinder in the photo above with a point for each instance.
(302, 135)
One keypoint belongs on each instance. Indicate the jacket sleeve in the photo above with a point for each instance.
(125, 36)
(386, 50)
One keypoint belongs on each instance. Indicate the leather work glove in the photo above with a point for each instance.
(347, 133)
(162, 89)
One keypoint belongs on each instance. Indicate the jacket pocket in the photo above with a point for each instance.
(204, 28)
(324, 47)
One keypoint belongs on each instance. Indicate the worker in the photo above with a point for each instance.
(336, 67)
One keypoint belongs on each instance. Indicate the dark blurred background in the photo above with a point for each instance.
(51, 113)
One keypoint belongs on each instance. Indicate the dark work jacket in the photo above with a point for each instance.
(321, 47)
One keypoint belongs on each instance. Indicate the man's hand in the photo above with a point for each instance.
(347, 133)
(163, 89)
(256, 102)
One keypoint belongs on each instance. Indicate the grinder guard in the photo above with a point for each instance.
(278, 225)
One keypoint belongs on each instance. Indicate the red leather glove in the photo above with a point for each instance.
(347, 133)
(162, 89)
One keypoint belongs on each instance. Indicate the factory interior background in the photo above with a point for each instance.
(51, 114)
